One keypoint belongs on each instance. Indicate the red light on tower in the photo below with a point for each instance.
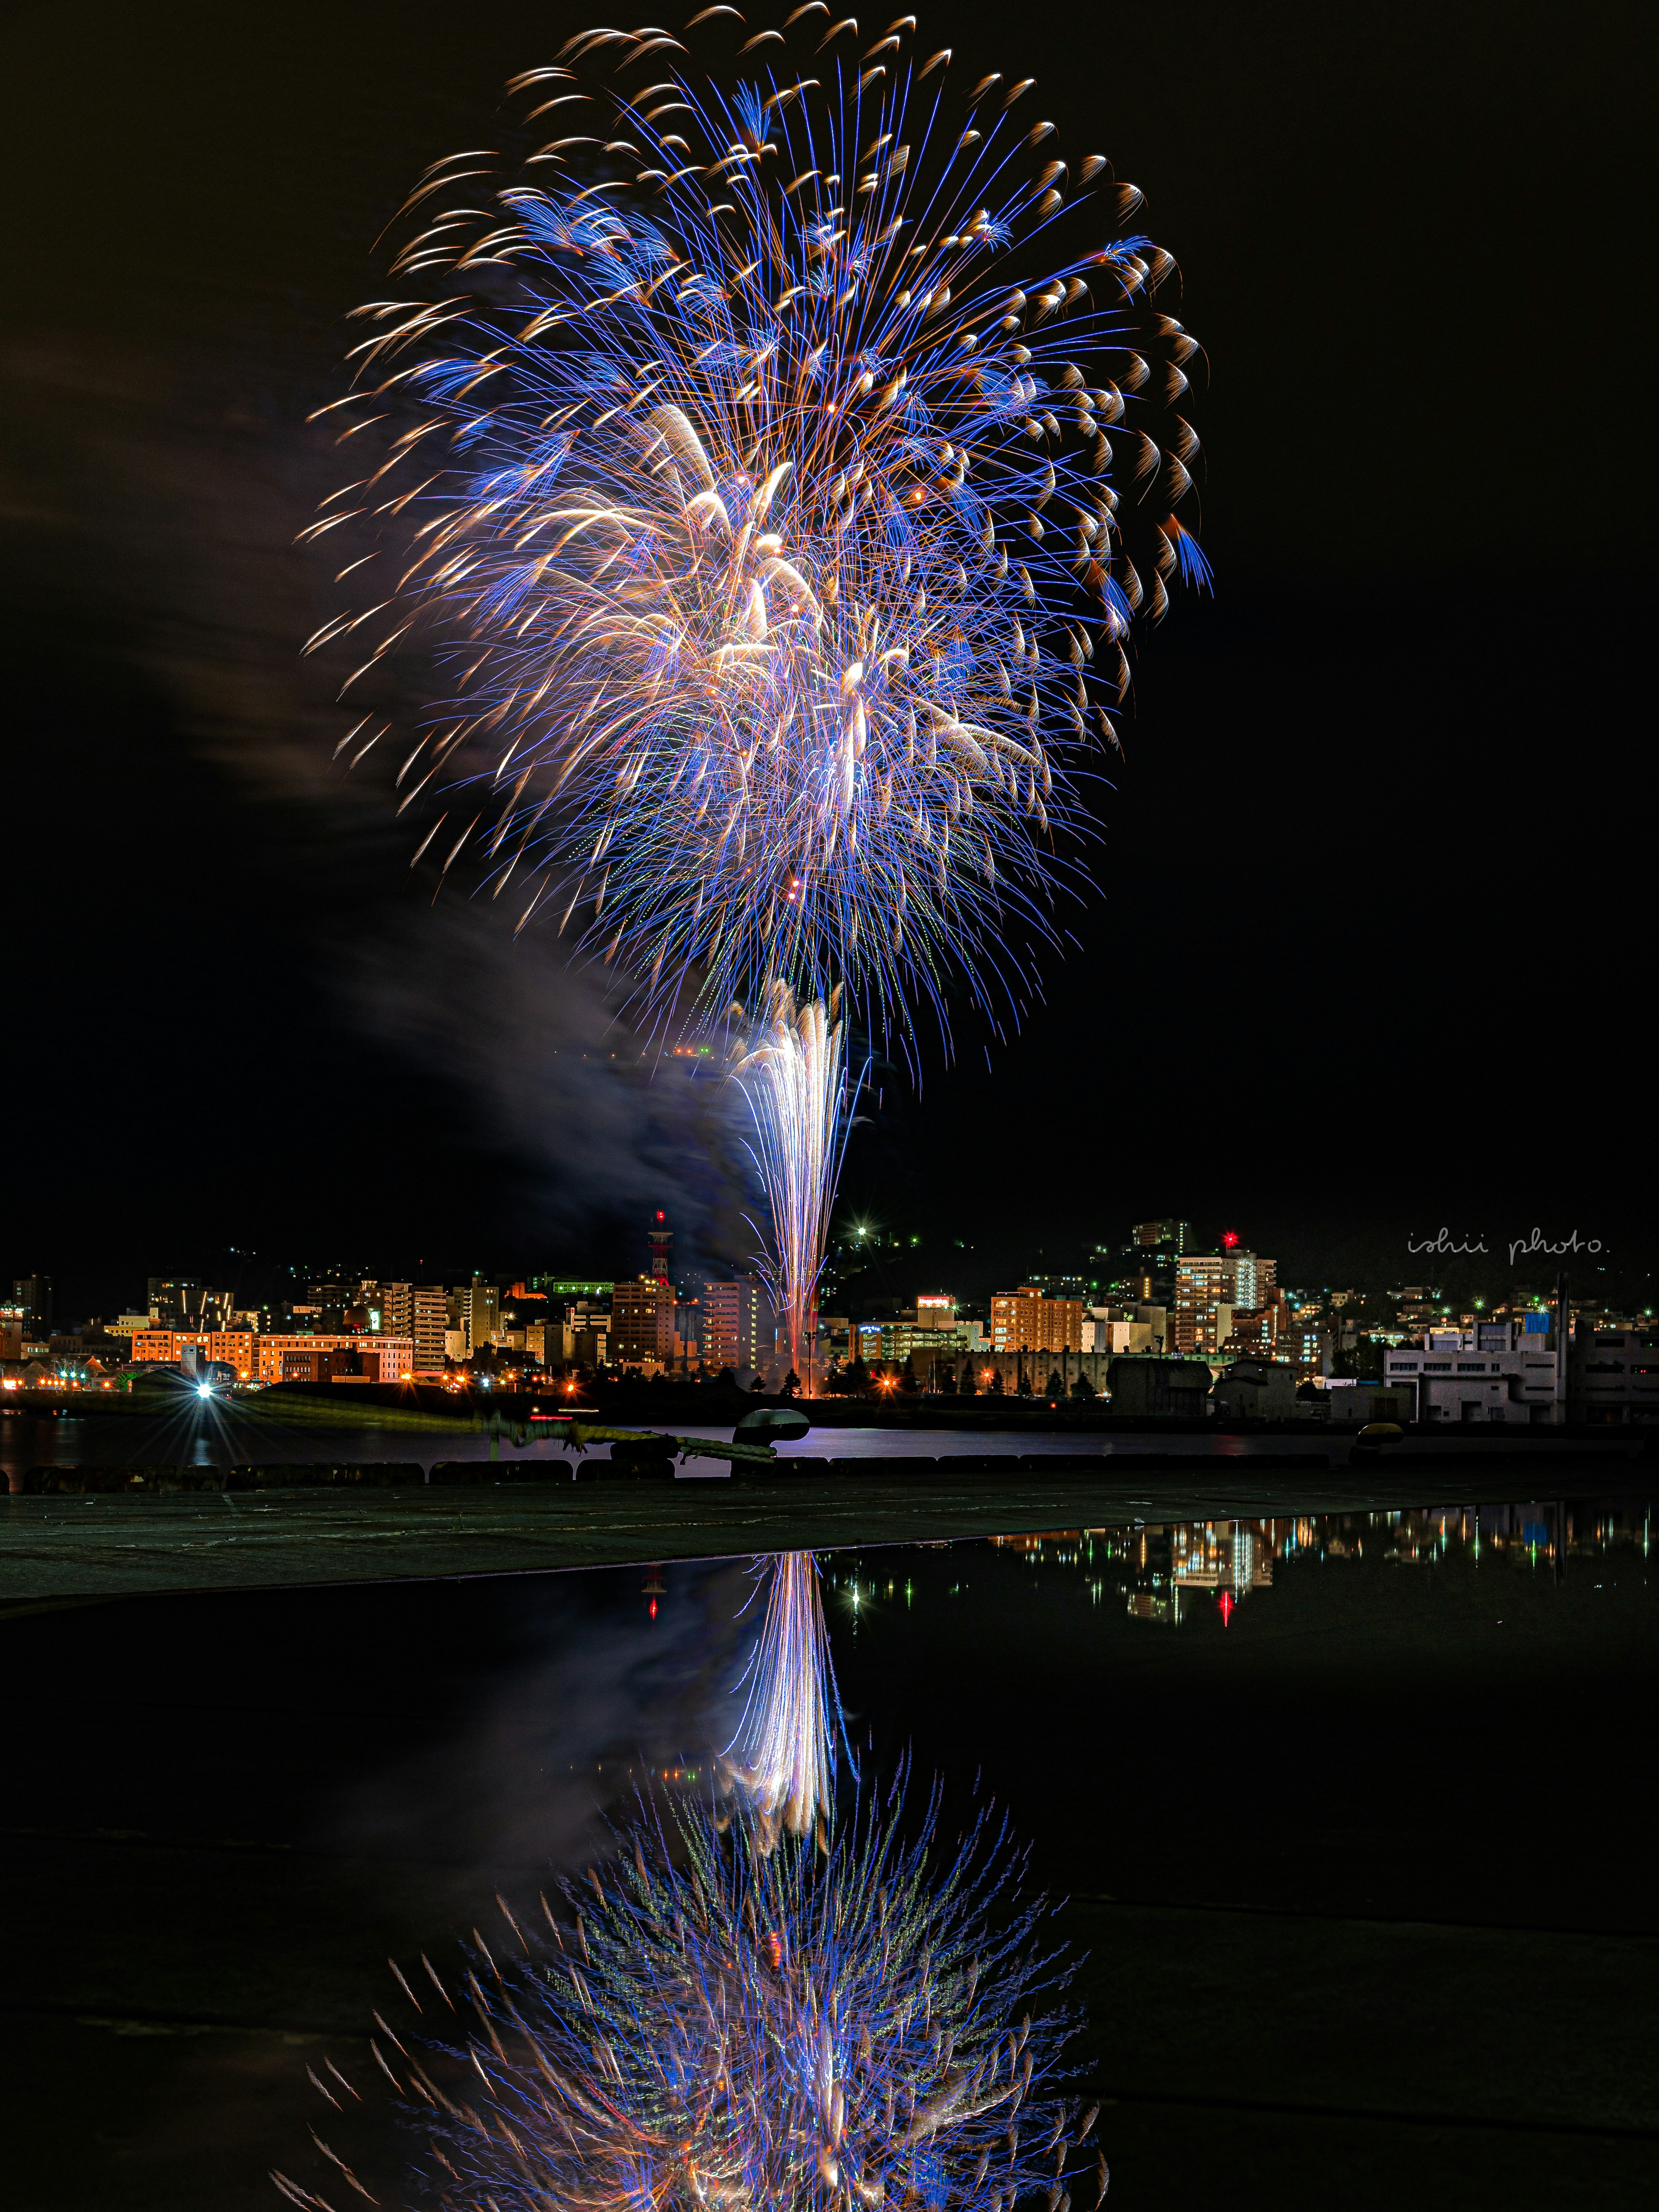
(1230, 1238)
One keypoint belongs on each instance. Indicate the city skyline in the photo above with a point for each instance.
(378, 1062)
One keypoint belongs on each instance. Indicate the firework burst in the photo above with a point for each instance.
(716, 2025)
(794, 1076)
(776, 445)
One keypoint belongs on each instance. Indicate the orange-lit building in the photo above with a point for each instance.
(1025, 1321)
(237, 1348)
(271, 1348)
(642, 1321)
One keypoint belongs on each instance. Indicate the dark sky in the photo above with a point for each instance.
(1371, 945)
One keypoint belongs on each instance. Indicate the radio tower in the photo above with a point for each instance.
(660, 1238)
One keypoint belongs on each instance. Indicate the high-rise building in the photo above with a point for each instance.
(175, 1301)
(1025, 1320)
(419, 1311)
(1209, 1289)
(641, 1320)
(737, 1323)
(1148, 1235)
(32, 1293)
(475, 1308)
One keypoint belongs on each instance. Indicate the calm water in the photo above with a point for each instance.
(1354, 1814)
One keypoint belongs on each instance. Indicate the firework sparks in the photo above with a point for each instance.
(729, 2026)
(773, 459)
(783, 1754)
(794, 1080)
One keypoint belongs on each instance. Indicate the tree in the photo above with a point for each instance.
(852, 1380)
(996, 1382)
(1083, 1387)
(1024, 1383)
(908, 1381)
(967, 1385)
(791, 1385)
(1054, 1388)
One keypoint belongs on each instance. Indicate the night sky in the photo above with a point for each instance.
(1371, 948)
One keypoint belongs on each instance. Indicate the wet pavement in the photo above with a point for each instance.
(1352, 1809)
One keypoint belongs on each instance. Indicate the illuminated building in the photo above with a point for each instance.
(238, 1349)
(734, 1333)
(1210, 1288)
(642, 1321)
(1025, 1321)
(270, 1350)
(392, 1358)
(475, 1308)
(420, 1312)
(1148, 1235)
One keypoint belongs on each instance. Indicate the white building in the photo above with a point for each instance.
(1499, 1371)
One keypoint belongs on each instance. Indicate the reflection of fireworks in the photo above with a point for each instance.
(761, 2031)
(793, 1076)
(757, 496)
(783, 1754)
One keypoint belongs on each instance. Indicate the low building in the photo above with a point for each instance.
(386, 1359)
(1173, 1390)
(1255, 1390)
(237, 1349)
(271, 1349)
(1340, 1398)
(1495, 1372)
(1140, 1328)
(1613, 1375)
(314, 1364)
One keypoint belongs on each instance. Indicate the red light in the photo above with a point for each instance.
(654, 1608)
(1226, 1607)
(661, 1215)
(1228, 1240)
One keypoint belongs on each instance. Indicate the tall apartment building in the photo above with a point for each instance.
(475, 1308)
(1025, 1321)
(1148, 1263)
(419, 1311)
(737, 1323)
(641, 1320)
(1209, 1289)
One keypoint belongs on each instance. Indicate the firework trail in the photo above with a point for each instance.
(767, 461)
(755, 2031)
(794, 1078)
(782, 1757)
